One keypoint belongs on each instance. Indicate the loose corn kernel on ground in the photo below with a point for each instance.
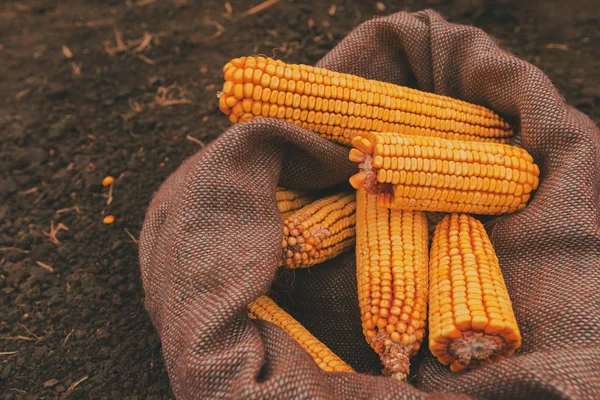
(266, 309)
(340, 106)
(471, 320)
(433, 174)
(319, 231)
(391, 272)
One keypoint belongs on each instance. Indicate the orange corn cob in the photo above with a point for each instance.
(433, 174)
(391, 272)
(471, 320)
(340, 106)
(266, 309)
(289, 200)
(319, 231)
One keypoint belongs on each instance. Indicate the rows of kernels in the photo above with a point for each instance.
(319, 231)
(434, 174)
(364, 224)
(341, 106)
(289, 200)
(467, 291)
(308, 80)
(391, 272)
(266, 309)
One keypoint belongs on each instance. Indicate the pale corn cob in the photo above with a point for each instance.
(319, 231)
(266, 309)
(340, 106)
(433, 174)
(391, 272)
(471, 320)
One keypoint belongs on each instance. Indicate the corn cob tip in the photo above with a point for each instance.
(473, 347)
(395, 357)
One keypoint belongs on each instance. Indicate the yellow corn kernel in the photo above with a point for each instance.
(319, 231)
(391, 272)
(471, 320)
(290, 200)
(434, 174)
(341, 106)
(266, 309)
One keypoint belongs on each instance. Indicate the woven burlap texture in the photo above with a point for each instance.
(212, 235)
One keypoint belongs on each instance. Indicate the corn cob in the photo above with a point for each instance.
(391, 272)
(319, 231)
(340, 106)
(432, 174)
(471, 320)
(266, 309)
(289, 200)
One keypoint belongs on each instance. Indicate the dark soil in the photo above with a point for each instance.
(72, 320)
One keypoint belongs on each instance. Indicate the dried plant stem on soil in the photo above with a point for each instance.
(256, 9)
(45, 266)
(14, 249)
(54, 231)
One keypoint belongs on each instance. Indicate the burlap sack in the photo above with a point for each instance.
(211, 239)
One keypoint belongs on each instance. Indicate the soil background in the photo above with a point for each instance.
(128, 89)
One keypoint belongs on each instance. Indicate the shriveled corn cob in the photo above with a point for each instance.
(290, 200)
(391, 272)
(266, 309)
(340, 106)
(433, 174)
(319, 231)
(471, 320)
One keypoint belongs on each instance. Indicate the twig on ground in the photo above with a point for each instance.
(29, 191)
(146, 39)
(54, 231)
(32, 336)
(64, 210)
(146, 59)
(110, 195)
(141, 3)
(74, 384)
(68, 336)
(228, 11)
(256, 9)
(171, 95)
(197, 141)
(218, 32)
(138, 45)
(22, 94)
(131, 236)
(45, 266)
(14, 249)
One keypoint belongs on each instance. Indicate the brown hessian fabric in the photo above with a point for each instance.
(211, 238)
